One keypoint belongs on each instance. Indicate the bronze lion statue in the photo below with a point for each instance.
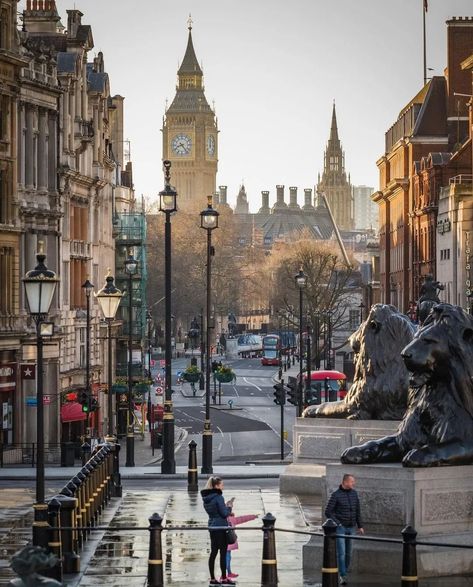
(381, 381)
(437, 428)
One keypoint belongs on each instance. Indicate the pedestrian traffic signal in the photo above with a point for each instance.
(82, 397)
(293, 391)
(279, 394)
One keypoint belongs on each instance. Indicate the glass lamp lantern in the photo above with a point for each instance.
(209, 216)
(109, 297)
(301, 279)
(40, 285)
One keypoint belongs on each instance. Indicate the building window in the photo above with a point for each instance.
(65, 282)
(354, 319)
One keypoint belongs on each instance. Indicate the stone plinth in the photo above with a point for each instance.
(437, 502)
(318, 441)
(231, 348)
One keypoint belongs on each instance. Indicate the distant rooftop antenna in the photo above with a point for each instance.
(190, 22)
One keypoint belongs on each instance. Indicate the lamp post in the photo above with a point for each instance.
(329, 339)
(168, 205)
(131, 267)
(40, 285)
(301, 282)
(317, 340)
(109, 299)
(88, 288)
(209, 222)
(149, 322)
(308, 382)
(202, 351)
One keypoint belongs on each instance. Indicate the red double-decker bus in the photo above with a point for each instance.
(271, 349)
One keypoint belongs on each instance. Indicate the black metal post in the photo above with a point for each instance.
(192, 471)
(207, 433)
(202, 352)
(155, 557)
(40, 523)
(308, 365)
(269, 564)
(301, 355)
(329, 565)
(329, 340)
(168, 464)
(87, 364)
(317, 340)
(130, 434)
(409, 561)
(110, 380)
(282, 425)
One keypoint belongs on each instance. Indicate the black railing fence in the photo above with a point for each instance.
(26, 453)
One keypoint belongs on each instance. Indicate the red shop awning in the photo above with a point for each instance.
(72, 412)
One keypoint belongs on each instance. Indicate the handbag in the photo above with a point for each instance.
(231, 536)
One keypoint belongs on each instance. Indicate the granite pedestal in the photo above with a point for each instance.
(437, 502)
(231, 348)
(318, 441)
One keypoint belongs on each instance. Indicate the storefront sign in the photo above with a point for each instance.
(28, 371)
(31, 401)
(46, 400)
(7, 377)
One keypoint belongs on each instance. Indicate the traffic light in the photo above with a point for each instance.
(82, 397)
(293, 391)
(279, 394)
(88, 402)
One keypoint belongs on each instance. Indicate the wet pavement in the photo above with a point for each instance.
(121, 557)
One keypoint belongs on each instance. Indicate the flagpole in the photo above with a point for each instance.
(424, 10)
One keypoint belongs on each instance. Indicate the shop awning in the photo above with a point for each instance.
(72, 412)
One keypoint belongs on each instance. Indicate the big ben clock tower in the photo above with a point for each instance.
(190, 134)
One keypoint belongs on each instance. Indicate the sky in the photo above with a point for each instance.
(273, 68)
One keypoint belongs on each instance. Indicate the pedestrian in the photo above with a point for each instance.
(343, 508)
(218, 512)
(235, 521)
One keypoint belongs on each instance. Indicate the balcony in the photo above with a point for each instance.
(11, 324)
(80, 249)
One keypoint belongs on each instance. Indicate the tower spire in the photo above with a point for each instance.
(334, 127)
(190, 65)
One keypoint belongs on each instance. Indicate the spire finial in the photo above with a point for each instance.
(190, 22)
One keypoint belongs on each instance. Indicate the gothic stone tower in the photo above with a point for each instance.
(190, 134)
(334, 180)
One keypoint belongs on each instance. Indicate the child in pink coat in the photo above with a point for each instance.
(235, 521)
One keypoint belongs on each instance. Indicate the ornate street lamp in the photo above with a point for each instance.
(301, 282)
(40, 285)
(209, 222)
(109, 299)
(168, 205)
(88, 287)
(131, 267)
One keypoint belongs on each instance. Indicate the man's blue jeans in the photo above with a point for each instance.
(344, 548)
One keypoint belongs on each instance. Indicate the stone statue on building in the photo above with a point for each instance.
(194, 332)
(428, 297)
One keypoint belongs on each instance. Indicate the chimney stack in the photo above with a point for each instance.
(40, 16)
(74, 20)
(308, 199)
(223, 195)
(264, 203)
(280, 203)
(215, 199)
(293, 199)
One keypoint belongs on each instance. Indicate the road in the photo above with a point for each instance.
(250, 431)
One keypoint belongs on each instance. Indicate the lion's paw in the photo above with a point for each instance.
(353, 456)
(420, 457)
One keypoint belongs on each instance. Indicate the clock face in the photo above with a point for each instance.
(181, 144)
(210, 144)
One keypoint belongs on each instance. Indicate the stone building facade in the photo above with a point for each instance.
(190, 135)
(12, 319)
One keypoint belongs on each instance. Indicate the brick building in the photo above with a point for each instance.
(420, 156)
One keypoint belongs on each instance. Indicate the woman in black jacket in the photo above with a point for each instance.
(218, 511)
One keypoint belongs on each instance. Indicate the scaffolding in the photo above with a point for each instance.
(130, 237)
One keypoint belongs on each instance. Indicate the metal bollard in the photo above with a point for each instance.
(155, 559)
(192, 476)
(70, 559)
(269, 564)
(54, 544)
(409, 560)
(330, 566)
(117, 484)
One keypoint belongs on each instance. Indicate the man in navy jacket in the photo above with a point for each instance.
(343, 508)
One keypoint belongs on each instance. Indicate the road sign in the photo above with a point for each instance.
(162, 363)
(159, 390)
